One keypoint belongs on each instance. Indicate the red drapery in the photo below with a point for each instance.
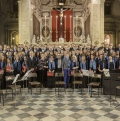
(69, 25)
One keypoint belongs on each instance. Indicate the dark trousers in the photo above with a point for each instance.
(66, 77)
(59, 70)
(42, 77)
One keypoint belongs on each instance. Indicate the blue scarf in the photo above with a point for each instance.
(15, 65)
(83, 65)
(93, 64)
(51, 65)
(1, 65)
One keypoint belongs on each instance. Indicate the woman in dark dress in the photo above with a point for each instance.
(17, 65)
(111, 63)
(101, 66)
(42, 70)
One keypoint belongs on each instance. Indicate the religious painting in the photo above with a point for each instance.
(78, 31)
(45, 31)
(36, 27)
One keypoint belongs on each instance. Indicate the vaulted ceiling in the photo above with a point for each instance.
(78, 2)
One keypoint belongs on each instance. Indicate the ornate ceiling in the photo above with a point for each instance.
(77, 2)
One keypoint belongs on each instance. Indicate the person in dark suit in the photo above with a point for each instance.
(42, 70)
(31, 62)
(58, 63)
(74, 64)
(17, 65)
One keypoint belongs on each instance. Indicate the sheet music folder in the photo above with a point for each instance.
(26, 75)
(88, 73)
(16, 78)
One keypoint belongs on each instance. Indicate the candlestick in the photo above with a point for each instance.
(70, 23)
(56, 22)
(76, 23)
(65, 23)
(45, 27)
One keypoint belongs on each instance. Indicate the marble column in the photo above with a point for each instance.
(97, 21)
(24, 17)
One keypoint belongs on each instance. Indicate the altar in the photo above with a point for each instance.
(46, 23)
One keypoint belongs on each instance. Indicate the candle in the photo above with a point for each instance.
(70, 22)
(65, 23)
(45, 26)
(76, 24)
(56, 23)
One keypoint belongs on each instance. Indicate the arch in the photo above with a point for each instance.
(14, 38)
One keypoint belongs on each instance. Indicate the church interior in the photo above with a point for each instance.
(44, 44)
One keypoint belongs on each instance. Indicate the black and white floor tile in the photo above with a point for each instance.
(68, 107)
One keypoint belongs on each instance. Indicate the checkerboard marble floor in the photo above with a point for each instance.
(69, 107)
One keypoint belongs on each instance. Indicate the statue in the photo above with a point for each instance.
(88, 40)
(82, 38)
(107, 39)
(34, 39)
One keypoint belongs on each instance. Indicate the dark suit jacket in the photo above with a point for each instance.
(31, 63)
(56, 64)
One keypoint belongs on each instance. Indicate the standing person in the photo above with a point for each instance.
(42, 70)
(24, 65)
(17, 65)
(9, 67)
(51, 68)
(58, 63)
(101, 66)
(83, 63)
(51, 64)
(92, 65)
(2, 71)
(111, 63)
(31, 62)
(74, 64)
(66, 69)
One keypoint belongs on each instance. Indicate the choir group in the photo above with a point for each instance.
(46, 58)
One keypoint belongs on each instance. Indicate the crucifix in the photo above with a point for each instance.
(61, 18)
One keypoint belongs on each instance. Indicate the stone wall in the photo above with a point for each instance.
(115, 10)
